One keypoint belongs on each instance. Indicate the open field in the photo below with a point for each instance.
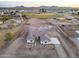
(40, 16)
(51, 16)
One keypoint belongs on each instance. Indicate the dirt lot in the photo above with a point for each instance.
(30, 51)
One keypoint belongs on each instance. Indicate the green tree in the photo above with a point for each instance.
(5, 18)
(24, 16)
(8, 37)
(42, 10)
(78, 13)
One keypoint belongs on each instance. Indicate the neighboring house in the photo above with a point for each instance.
(16, 21)
(10, 23)
(1, 22)
(1, 13)
(21, 11)
(3, 26)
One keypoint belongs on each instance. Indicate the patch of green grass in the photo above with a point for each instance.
(27, 14)
(8, 36)
(1, 39)
(40, 16)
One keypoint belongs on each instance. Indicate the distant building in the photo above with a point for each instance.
(42, 10)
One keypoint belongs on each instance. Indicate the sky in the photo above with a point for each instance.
(36, 3)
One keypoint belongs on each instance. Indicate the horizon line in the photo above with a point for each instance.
(35, 6)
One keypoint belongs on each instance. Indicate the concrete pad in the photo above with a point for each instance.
(54, 40)
(77, 31)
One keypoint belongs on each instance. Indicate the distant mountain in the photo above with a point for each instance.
(34, 8)
(44, 7)
(19, 7)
